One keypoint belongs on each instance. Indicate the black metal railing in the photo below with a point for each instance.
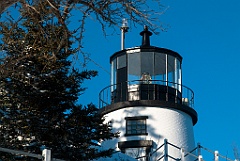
(146, 90)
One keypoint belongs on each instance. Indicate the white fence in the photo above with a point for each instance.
(196, 153)
(46, 154)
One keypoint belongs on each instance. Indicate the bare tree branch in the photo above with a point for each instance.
(108, 13)
(4, 4)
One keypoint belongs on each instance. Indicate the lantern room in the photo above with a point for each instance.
(147, 76)
(146, 73)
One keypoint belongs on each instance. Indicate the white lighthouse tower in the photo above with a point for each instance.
(148, 104)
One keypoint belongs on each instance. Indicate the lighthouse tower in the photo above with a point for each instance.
(148, 104)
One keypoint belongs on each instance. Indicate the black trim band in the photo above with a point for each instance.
(146, 49)
(150, 103)
(135, 144)
(136, 118)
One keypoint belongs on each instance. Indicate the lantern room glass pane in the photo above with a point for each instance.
(147, 65)
(113, 73)
(171, 70)
(160, 68)
(178, 75)
(121, 61)
(134, 66)
(174, 72)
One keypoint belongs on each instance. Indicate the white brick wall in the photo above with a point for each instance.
(162, 123)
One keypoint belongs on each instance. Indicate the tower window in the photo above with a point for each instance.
(138, 149)
(136, 125)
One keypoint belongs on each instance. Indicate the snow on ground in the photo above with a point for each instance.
(118, 156)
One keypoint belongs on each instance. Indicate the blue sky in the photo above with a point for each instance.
(207, 35)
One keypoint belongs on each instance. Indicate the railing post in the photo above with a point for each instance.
(148, 90)
(107, 95)
(121, 99)
(200, 158)
(165, 150)
(199, 149)
(46, 155)
(182, 155)
(216, 158)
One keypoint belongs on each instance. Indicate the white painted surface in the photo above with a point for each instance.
(46, 154)
(118, 156)
(162, 123)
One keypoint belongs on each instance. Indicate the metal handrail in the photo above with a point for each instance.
(185, 153)
(106, 94)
